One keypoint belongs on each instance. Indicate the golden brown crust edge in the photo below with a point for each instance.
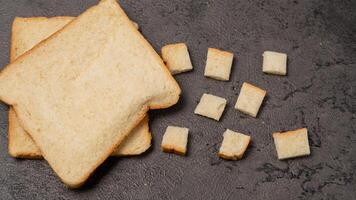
(13, 40)
(287, 133)
(221, 52)
(255, 88)
(172, 149)
(227, 157)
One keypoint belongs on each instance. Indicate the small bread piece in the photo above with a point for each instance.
(233, 145)
(274, 63)
(26, 33)
(218, 64)
(211, 106)
(175, 140)
(292, 144)
(76, 99)
(177, 58)
(250, 99)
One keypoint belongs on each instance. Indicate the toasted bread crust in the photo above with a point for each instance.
(172, 149)
(287, 133)
(257, 89)
(221, 52)
(229, 157)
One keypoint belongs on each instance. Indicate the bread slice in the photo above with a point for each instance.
(76, 99)
(175, 140)
(292, 144)
(233, 145)
(26, 33)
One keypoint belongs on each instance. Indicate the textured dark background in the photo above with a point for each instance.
(319, 93)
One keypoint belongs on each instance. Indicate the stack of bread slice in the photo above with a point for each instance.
(79, 90)
(26, 33)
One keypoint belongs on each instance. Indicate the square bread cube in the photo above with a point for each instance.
(176, 57)
(250, 99)
(274, 63)
(234, 145)
(218, 64)
(175, 140)
(211, 106)
(292, 144)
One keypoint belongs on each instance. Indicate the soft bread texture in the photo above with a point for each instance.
(177, 58)
(218, 64)
(274, 63)
(250, 99)
(292, 144)
(175, 140)
(137, 142)
(211, 106)
(76, 99)
(26, 33)
(21, 144)
(234, 145)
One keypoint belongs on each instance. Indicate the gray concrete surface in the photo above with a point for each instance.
(319, 93)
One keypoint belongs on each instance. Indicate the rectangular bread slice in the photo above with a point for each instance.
(26, 33)
(76, 99)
